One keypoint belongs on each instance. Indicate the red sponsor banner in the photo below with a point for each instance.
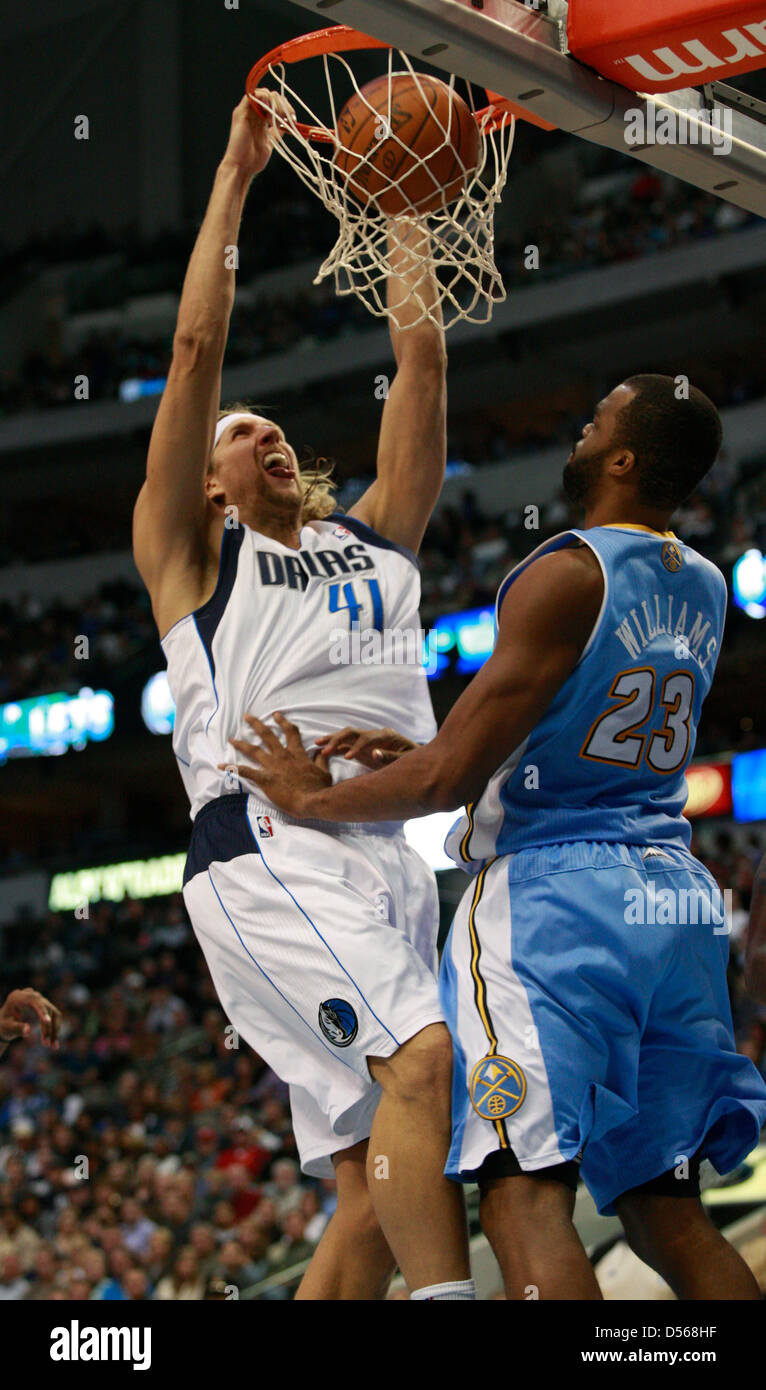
(709, 790)
(665, 45)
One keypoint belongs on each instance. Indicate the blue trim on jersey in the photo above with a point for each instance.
(211, 611)
(209, 656)
(332, 1051)
(366, 533)
(208, 617)
(563, 541)
(329, 948)
(172, 628)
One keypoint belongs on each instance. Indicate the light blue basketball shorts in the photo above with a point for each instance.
(584, 986)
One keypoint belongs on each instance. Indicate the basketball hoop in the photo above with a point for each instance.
(459, 248)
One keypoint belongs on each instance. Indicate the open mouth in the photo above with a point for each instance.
(277, 466)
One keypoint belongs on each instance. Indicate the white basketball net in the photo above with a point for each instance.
(459, 248)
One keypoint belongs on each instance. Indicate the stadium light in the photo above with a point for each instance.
(47, 725)
(749, 583)
(158, 710)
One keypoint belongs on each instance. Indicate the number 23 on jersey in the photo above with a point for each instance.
(615, 738)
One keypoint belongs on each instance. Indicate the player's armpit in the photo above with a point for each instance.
(545, 623)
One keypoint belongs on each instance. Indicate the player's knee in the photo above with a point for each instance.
(357, 1214)
(664, 1232)
(526, 1201)
(635, 1235)
(421, 1071)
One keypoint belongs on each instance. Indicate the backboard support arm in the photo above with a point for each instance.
(520, 53)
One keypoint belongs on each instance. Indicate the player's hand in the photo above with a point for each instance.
(13, 1024)
(250, 138)
(372, 747)
(283, 771)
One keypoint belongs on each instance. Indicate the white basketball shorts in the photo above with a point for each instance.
(321, 944)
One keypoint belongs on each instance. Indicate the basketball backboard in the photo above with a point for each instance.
(521, 53)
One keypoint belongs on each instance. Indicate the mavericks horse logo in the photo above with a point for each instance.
(338, 1022)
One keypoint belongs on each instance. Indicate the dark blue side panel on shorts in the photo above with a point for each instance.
(221, 832)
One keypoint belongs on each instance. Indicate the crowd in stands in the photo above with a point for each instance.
(733, 862)
(639, 214)
(55, 645)
(152, 1156)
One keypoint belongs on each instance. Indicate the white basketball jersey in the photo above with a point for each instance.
(278, 634)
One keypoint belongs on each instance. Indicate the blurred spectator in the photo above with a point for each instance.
(43, 1276)
(293, 1246)
(315, 1218)
(13, 1283)
(136, 1284)
(245, 1150)
(284, 1188)
(137, 1230)
(234, 1267)
(185, 1281)
(205, 1247)
(94, 1269)
(18, 1239)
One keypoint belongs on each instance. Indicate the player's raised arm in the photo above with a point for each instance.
(168, 529)
(412, 448)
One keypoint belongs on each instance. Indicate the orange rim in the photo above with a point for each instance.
(341, 38)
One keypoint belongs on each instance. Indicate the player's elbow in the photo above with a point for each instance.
(439, 790)
(197, 345)
(423, 348)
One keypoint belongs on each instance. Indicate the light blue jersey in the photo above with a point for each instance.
(607, 761)
(577, 1034)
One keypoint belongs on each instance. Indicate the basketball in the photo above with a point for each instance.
(408, 150)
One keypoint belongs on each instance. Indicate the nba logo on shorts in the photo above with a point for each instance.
(265, 829)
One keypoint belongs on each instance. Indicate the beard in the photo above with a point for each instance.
(581, 475)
